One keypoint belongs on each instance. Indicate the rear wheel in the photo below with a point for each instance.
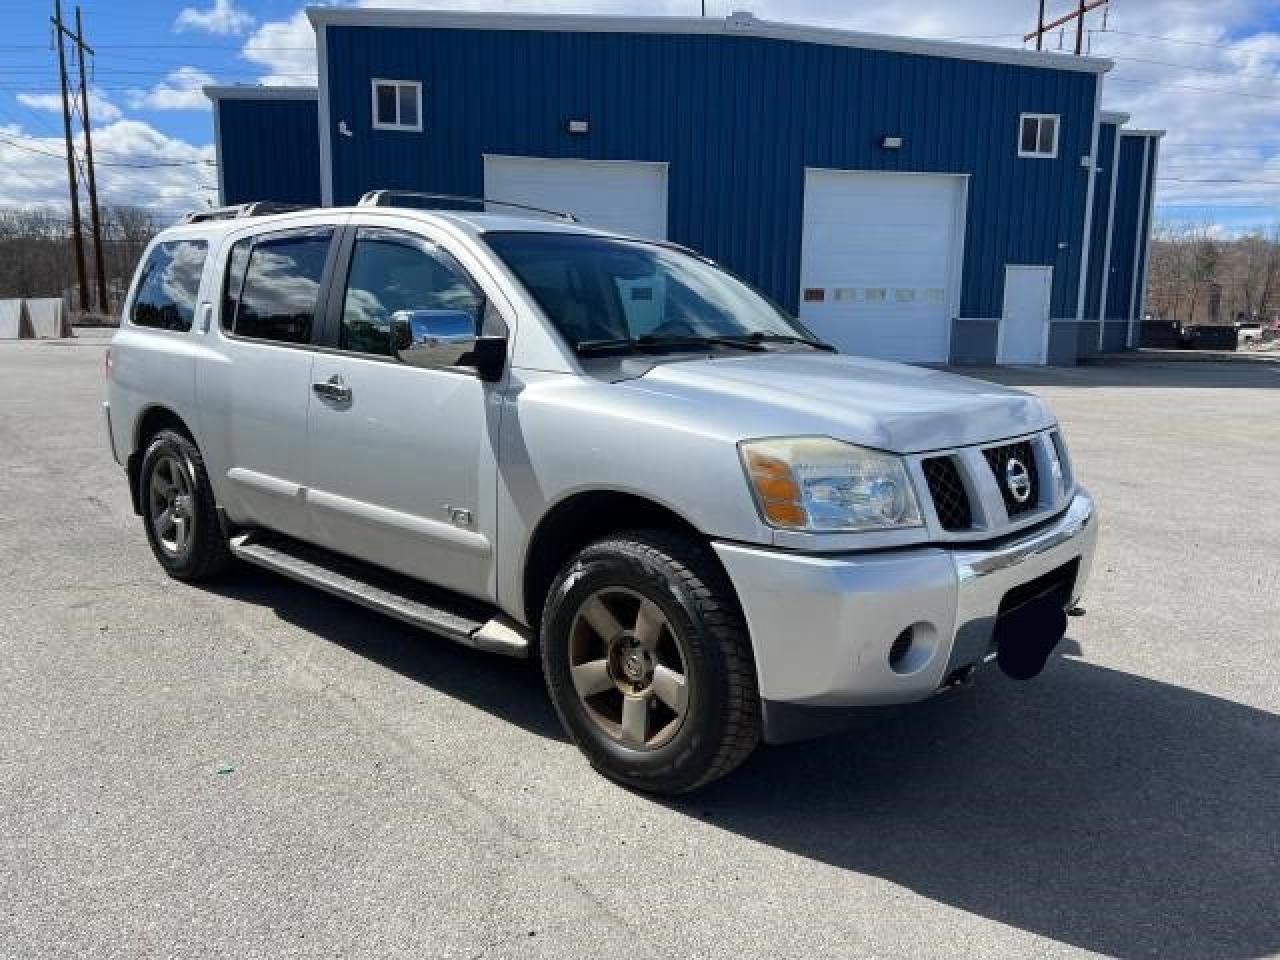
(648, 663)
(179, 510)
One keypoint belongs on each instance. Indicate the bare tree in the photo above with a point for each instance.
(35, 250)
(1260, 271)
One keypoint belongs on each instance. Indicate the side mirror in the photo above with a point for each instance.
(436, 339)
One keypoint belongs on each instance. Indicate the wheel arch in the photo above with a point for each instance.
(150, 422)
(582, 518)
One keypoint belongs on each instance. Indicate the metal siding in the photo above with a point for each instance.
(270, 150)
(1100, 227)
(1129, 203)
(738, 119)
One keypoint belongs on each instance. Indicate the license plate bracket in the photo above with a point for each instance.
(1032, 621)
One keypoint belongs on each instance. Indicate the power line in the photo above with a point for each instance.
(1187, 66)
(1183, 86)
(1270, 183)
(1152, 36)
(107, 163)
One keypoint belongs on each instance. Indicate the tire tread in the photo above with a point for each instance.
(670, 554)
(210, 553)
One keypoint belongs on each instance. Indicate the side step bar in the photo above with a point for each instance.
(460, 619)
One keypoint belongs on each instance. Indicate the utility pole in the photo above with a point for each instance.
(77, 237)
(1083, 7)
(99, 272)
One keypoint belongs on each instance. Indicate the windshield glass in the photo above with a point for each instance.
(598, 290)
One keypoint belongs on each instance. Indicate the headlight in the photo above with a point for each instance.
(820, 484)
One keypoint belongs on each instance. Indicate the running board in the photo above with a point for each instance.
(456, 618)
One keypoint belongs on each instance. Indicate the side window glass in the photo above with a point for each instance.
(236, 262)
(282, 287)
(170, 283)
(392, 272)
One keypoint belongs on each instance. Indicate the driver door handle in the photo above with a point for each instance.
(333, 389)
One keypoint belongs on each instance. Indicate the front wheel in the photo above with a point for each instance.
(648, 662)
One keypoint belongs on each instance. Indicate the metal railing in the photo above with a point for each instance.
(387, 198)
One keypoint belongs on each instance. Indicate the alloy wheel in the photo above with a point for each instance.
(629, 668)
(172, 504)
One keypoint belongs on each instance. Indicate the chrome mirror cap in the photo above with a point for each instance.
(433, 338)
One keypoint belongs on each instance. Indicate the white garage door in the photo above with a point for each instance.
(617, 195)
(880, 266)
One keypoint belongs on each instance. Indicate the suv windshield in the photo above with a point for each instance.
(606, 292)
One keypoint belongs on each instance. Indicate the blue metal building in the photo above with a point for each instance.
(268, 143)
(911, 199)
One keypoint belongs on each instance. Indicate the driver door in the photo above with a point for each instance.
(402, 465)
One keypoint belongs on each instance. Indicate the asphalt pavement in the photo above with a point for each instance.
(255, 769)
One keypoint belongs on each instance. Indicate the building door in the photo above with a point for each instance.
(1024, 327)
(618, 195)
(881, 261)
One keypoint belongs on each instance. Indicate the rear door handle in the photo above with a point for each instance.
(333, 389)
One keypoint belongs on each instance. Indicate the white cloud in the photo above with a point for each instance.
(287, 49)
(223, 18)
(35, 171)
(180, 90)
(101, 110)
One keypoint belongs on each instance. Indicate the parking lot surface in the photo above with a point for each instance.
(255, 769)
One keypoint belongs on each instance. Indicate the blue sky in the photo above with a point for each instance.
(1207, 71)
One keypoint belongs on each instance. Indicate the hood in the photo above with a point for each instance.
(889, 406)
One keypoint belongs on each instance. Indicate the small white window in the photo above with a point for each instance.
(1038, 135)
(397, 105)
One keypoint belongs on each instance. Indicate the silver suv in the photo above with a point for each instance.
(606, 454)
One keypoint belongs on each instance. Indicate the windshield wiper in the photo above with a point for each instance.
(648, 342)
(759, 336)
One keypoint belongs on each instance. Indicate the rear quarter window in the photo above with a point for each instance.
(169, 285)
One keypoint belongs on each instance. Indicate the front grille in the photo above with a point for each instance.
(950, 499)
(998, 458)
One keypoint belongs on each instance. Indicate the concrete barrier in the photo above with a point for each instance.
(48, 318)
(14, 322)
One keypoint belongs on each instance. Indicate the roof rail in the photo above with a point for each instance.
(386, 198)
(258, 208)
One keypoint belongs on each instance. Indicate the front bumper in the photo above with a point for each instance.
(822, 626)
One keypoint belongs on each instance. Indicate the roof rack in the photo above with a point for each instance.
(386, 198)
(259, 208)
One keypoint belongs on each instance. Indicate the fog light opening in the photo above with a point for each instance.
(913, 649)
(901, 647)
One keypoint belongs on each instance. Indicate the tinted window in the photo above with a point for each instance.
(409, 105)
(392, 271)
(1030, 134)
(282, 287)
(386, 103)
(236, 263)
(169, 284)
(603, 288)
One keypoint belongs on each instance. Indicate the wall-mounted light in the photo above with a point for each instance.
(344, 129)
(578, 126)
(891, 143)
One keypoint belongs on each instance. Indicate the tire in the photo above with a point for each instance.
(189, 544)
(618, 696)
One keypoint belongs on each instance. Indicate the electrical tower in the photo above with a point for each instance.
(61, 34)
(1077, 15)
